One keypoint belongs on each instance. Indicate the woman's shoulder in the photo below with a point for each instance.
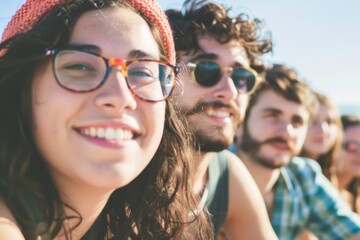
(8, 227)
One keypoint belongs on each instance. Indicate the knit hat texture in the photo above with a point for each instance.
(32, 11)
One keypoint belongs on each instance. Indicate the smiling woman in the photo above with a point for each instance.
(90, 146)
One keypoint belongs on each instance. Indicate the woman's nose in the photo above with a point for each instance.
(114, 94)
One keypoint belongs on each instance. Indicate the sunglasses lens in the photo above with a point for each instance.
(351, 147)
(244, 79)
(207, 74)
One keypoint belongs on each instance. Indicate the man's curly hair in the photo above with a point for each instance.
(201, 17)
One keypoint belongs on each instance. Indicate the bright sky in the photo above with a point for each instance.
(319, 38)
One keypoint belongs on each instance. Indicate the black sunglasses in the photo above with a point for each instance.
(351, 146)
(208, 74)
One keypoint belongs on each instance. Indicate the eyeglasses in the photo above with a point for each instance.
(351, 146)
(80, 70)
(208, 74)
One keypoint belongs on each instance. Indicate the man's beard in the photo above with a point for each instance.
(251, 147)
(204, 142)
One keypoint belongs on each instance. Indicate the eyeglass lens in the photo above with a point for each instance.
(83, 71)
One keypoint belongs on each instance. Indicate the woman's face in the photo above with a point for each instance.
(75, 131)
(322, 133)
(349, 161)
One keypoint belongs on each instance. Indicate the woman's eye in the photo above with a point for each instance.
(140, 73)
(78, 71)
(78, 67)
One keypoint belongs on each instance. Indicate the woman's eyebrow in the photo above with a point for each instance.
(87, 47)
(97, 49)
(142, 54)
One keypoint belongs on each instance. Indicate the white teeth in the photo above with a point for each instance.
(220, 114)
(108, 133)
(119, 134)
(92, 132)
(127, 135)
(100, 133)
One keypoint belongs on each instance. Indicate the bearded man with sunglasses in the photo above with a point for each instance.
(216, 52)
(297, 195)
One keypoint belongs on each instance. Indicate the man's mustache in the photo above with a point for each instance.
(280, 140)
(202, 106)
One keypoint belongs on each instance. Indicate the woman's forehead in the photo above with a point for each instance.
(115, 31)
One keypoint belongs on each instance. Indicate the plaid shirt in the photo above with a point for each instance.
(305, 199)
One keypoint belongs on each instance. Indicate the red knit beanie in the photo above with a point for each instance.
(32, 11)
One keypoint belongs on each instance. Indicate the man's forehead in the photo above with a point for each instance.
(230, 53)
(271, 101)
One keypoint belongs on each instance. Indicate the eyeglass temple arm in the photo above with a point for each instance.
(190, 65)
(49, 52)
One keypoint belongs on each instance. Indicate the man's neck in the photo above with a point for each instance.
(201, 162)
(264, 177)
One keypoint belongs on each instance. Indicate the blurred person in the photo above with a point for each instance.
(323, 139)
(216, 52)
(323, 142)
(297, 195)
(348, 166)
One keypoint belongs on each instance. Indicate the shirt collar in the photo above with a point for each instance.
(284, 178)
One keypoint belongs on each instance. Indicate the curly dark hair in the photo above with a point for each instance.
(206, 18)
(156, 205)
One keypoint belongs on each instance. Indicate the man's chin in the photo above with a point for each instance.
(213, 146)
(278, 163)
(214, 141)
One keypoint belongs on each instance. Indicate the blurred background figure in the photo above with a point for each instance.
(348, 167)
(323, 140)
(334, 142)
(296, 193)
